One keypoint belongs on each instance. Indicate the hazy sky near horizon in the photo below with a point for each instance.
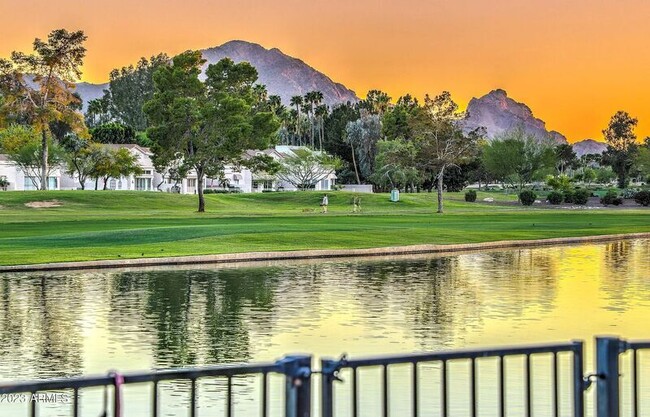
(574, 62)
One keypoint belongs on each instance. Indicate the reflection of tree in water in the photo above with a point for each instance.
(39, 320)
(198, 316)
(625, 273)
(234, 296)
(447, 297)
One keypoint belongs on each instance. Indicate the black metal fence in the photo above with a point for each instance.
(506, 381)
(611, 353)
(411, 392)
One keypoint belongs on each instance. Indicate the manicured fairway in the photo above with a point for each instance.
(95, 225)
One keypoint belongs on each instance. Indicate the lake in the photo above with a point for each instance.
(65, 324)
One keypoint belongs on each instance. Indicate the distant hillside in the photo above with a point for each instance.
(589, 146)
(282, 74)
(499, 113)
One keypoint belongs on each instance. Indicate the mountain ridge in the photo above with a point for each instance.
(282, 74)
(498, 113)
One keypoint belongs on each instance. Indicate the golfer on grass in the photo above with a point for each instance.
(324, 204)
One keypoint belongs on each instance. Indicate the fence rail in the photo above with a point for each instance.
(331, 370)
(344, 374)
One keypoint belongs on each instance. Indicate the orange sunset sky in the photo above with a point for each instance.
(574, 62)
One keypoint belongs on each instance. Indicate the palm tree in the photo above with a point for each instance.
(321, 112)
(298, 102)
(309, 108)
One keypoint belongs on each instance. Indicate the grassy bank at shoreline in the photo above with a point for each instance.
(113, 225)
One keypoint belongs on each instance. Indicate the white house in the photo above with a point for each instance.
(24, 181)
(234, 178)
(148, 180)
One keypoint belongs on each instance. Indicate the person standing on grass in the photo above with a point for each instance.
(356, 204)
(324, 204)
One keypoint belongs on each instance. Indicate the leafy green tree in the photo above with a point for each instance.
(334, 139)
(113, 132)
(24, 147)
(518, 157)
(397, 120)
(566, 157)
(112, 163)
(37, 88)
(621, 146)
(559, 182)
(129, 88)
(80, 159)
(206, 126)
(376, 102)
(362, 135)
(642, 159)
(440, 140)
(306, 168)
(395, 164)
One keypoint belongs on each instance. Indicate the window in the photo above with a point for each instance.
(112, 184)
(191, 182)
(28, 184)
(52, 183)
(147, 172)
(142, 184)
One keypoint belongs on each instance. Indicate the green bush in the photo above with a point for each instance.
(569, 197)
(470, 196)
(527, 197)
(554, 197)
(643, 198)
(611, 198)
(215, 191)
(628, 193)
(581, 196)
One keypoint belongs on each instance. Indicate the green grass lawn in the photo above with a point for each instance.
(93, 225)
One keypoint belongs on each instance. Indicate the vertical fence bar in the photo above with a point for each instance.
(297, 371)
(578, 385)
(328, 368)
(355, 391)
(385, 390)
(472, 387)
(265, 394)
(556, 387)
(415, 389)
(75, 402)
(635, 393)
(443, 383)
(607, 393)
(529, 405)
(229, 395)
(154, 400)
(32, 406)
(502, 386)
(193, 398)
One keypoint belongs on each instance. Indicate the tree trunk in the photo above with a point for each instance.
(199, 184)
(441, 178)
(105, 182)
(354, 163)
(44, 182)
(96, 183)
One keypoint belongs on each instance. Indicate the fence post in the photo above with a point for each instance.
(607, 394)
(328, 368)
(578, 383)
(297, 371)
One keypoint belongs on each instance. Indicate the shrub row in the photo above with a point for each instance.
(580, 197)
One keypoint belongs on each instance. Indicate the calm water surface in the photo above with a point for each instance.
(65, 324)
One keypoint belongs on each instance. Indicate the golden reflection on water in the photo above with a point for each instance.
(81, 323)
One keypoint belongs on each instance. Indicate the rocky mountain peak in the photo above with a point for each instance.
(589, 146)
(499, 113)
